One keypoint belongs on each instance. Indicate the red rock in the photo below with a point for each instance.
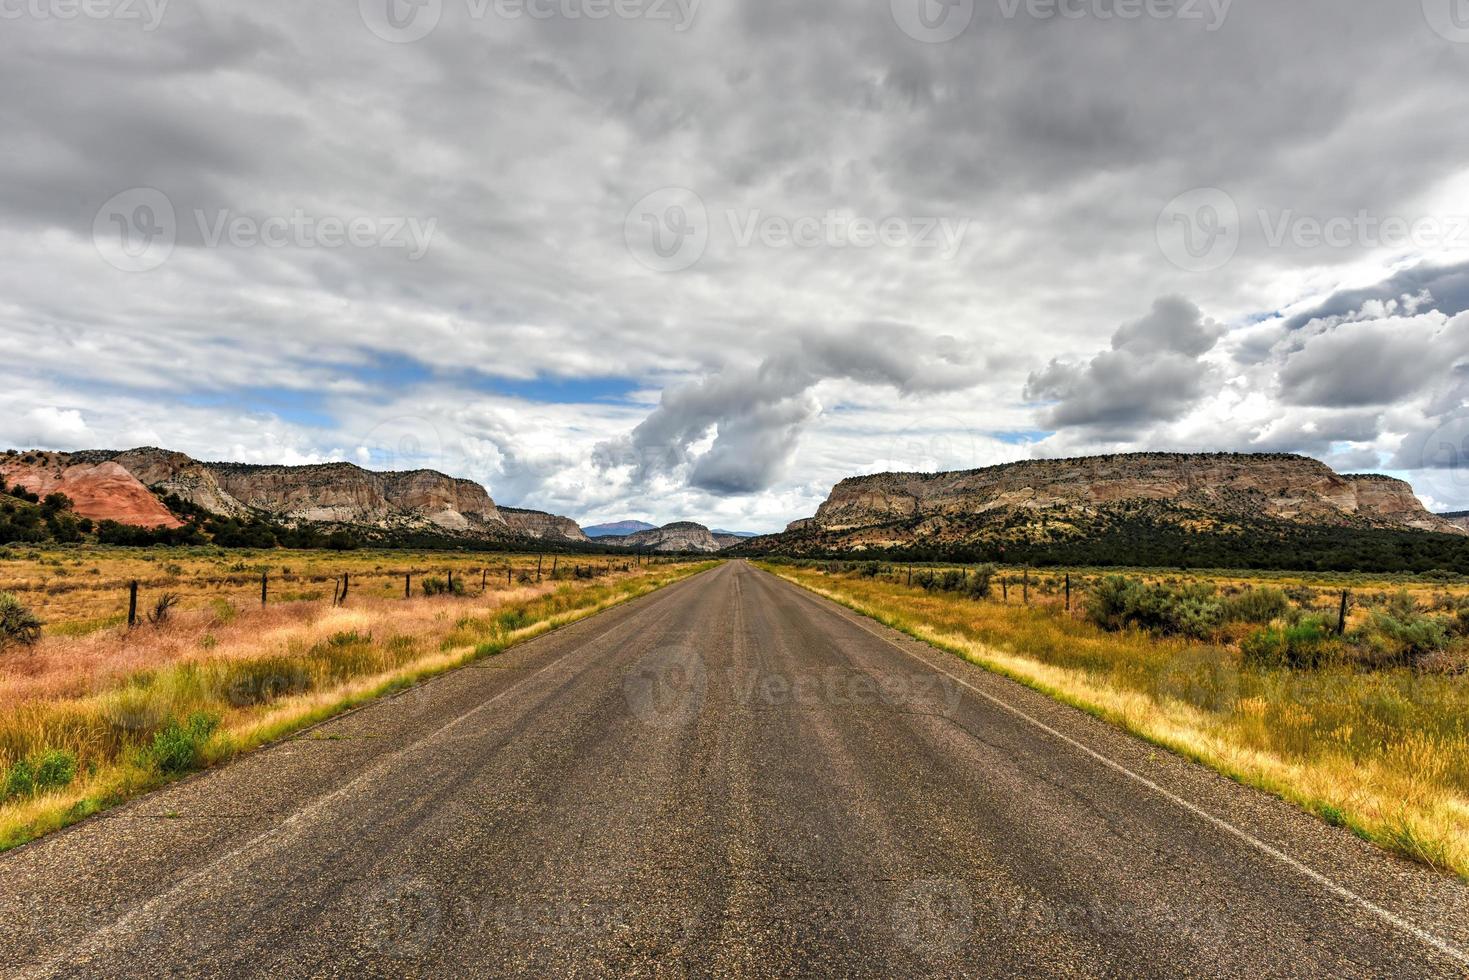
(103, 492)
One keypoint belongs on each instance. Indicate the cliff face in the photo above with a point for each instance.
(1458, 519)
(543, 526)
(330, 493)
(101, 490)
(679, 536)
(1290, 488)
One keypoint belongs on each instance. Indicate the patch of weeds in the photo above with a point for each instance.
(179, 748)
(49, 770)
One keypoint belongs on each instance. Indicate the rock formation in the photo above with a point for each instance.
(679, 536)
(129, 486)
(103, 491)
(542, 526)
(1208, 491)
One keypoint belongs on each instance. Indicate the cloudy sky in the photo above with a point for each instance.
(700, 259)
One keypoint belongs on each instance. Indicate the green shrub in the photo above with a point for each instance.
(178, 747)
(50, 770)
(18, 625)
(1185, 610)
(981, 582)
(433, 585)
(1400, 632)
(513, 619)
(1257, 606)
(1303, 646)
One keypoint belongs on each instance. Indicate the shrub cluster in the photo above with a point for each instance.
(18, 625)
(1190, 610)
(975, 584)
(46, 771)
(435, 585)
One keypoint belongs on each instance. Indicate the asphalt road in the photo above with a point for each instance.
(730, 777)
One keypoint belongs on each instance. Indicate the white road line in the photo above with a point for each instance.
(1342, 892)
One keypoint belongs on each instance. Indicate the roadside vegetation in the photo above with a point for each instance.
(93, 712)
(1357, 710)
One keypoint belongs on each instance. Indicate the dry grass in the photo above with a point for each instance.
(120, 703)
(1385, 752)
(82, 588)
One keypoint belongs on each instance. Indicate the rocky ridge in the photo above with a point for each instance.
(1206, 491)
(543, 526)
(675, 537)
(102, 490)
(129, 486)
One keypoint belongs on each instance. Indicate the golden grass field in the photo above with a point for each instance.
(1384, 752)
(96, 713)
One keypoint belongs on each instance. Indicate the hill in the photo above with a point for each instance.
(618, 529)
(174, 496)
(1225, 510)
(680, 536)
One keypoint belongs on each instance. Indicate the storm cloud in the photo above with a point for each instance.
(1153, 373)
(534, 347)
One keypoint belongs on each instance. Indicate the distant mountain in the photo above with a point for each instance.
(734, 534)
(680, 536)
(617, 529)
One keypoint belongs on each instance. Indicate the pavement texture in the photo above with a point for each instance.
(730, 777)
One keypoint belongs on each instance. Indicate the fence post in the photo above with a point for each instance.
(1025, 584)
(539, 558)
(407, 585)
(484, 578)
(132, 603)
(555, 559)
(264, 576)
(910, 574)
(451, 581)
(509, 570)
(1341, 619)
(1004, 589)
(1068, 591)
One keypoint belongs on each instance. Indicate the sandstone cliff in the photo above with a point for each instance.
(102, 490)
(542, 526)
(1050, 499)
(335, 493)
(679, 536)
(129, 485)
(1292, 488)
(1458, 519)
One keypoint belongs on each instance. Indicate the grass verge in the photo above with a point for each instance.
(149, 706)
(1384, 753)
